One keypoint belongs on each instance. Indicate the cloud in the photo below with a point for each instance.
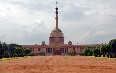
(100, 32)
(82, 21)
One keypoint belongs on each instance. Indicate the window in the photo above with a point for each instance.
(51, 50)
(81, 49)
(73, 48)
(62, 50)
(39, 49)
(48, 50)
(65, 50)
(33, 49)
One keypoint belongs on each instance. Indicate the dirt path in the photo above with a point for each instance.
(58, 64)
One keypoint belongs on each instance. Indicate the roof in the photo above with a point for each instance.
(54, 30)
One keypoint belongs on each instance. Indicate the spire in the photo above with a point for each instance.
(56, 21)
(56, 2)
(56, 16)
(56, 9)
(57, 35)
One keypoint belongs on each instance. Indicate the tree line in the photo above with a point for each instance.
(105, 50)
(13, 50)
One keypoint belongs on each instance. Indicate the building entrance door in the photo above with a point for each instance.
(57, 52)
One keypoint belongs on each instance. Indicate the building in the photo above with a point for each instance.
(51, 47)
(56, 44)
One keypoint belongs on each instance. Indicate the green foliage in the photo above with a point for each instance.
(3, 50)
(103, 49)
(85, 52)
(108, 50)
(13, 50)
(96, 52)
(42, 53)
(19, 51)
(72, 53)
(12, 47)
(112, 43)
(88, 51)
(27, 51)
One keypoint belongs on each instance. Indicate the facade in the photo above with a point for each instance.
(51, 47)
(56, 44)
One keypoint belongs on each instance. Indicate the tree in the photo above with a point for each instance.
(27, 51)
(106, 50)
(19, 51)
(72, 53)
(5, 48)
(112, 43)
(1, 51)
(96, 52)
(103, 50)
(87, 51)
(12, 47)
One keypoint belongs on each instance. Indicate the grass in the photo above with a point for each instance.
(4, 59)
(112, 58)
(101, 57)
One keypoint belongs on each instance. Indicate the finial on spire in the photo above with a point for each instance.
(56, 2)
(56, 8)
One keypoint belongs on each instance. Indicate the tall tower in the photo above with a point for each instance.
(57, 35)
(56, 38)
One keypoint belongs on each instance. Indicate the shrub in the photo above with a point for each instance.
(108, 55)
(27, 52)
(0, 56)
(103, 55)
(19, 52)
(72, 53)
(111, 55)
(42, 54)
(114, 55)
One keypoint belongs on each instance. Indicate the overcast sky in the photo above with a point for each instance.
(81, 21)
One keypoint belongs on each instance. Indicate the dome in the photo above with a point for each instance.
(60, 36)
(53, 33)
(54, 30)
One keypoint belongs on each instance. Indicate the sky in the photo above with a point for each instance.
(81, 21)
